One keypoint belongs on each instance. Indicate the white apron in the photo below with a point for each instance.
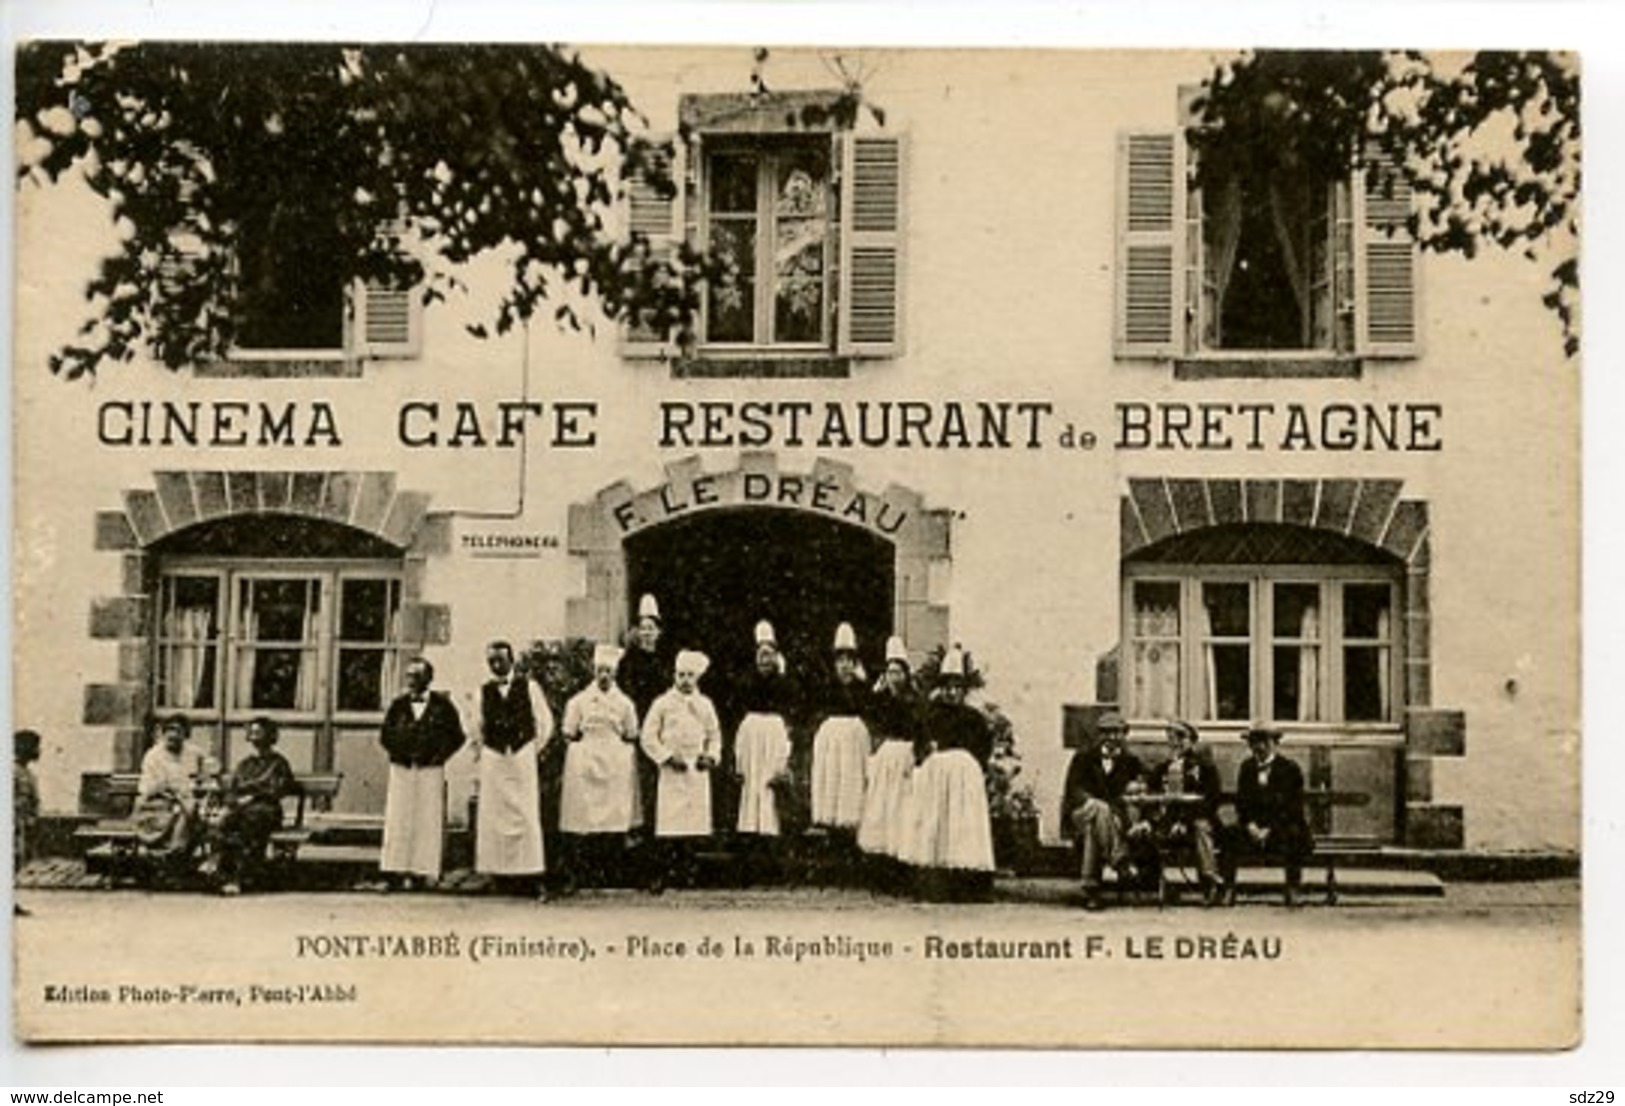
(508, 837)
(683, 803)
(888, 801)
(414, 821)
(761, 752)
(600, 791)
(840, 753)
(950, 828)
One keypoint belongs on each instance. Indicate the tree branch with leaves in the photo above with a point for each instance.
(1489, 143)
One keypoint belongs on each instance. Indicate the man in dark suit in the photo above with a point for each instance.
(421, 731)
(1189, 772)
(1270, 819)
(1094, 811)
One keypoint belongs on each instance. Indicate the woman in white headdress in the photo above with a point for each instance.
(894, 720)
(683, 738)
(951, 837)
(841, 744)
(598, 805)
(762, 743)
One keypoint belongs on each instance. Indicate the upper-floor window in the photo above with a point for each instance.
(1272, 271)
(802, 224)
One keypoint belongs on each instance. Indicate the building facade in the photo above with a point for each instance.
(992, 373)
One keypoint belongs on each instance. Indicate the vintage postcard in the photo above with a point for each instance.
(662, 545)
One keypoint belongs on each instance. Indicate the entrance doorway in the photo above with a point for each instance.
(716, 574)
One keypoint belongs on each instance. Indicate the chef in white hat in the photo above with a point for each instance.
(762, 743)
(599, 799)
(894, 719)
(952, 837)
(683, 737)
(840, 751)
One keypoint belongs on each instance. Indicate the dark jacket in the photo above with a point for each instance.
(894, 717)
(644, 676)
(1276, 805)
(958, 726)
(1199, 776)
(510, 720)
(422, 742)
(1087, 778)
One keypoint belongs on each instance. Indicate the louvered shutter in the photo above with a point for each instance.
(1385, 299)
(871, 323)
(660, 219)
(388, 319)
(1150, 186)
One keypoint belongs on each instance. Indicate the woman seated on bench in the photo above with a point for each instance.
(253, 807)
(166, 798)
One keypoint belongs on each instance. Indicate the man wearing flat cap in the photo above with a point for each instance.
(1189, 772)
(1094, 809)
(1270, 819)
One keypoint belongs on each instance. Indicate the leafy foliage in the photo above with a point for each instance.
(452, 151)
(1489, 144)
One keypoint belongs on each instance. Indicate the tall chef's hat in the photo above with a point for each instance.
(896, 650)
(693, 661)
(764, 634)
(845, 640)
(605, 654)
(648, 608)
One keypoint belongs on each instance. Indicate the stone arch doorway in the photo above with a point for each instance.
(798, 547)
(719, 572)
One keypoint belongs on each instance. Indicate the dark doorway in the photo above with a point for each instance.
(716, 574)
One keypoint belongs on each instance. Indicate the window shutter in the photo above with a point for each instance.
(660, 219)
(871, 323)
(1150, 184)
(1386, 303)
(388, 319)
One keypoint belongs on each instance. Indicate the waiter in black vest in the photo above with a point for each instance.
(515, 727)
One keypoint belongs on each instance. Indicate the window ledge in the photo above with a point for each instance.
(763, 366)
(277, 367)
(1306, 366)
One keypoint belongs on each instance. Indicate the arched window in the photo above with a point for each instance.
(1263, 621)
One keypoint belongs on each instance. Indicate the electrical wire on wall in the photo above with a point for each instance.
(518, 510)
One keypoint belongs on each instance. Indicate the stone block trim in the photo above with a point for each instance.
(602, 610)
(367, 501)
(121, 704)
(118, 618)
(1434, 826)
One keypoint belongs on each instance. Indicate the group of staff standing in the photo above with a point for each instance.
(835, 776)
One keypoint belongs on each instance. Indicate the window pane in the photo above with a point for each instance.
(1229, 609)
(292, 290)
(1366, 611)
(361, 679)
(1297, 611)
(1156, 608)
(283, 612)
(1262, 261)
(1230, 682)
(733, 182)
(367, 610)
(188, 627)
(1366, 684)
(731, 308)
(800, 186)
(1297, 683)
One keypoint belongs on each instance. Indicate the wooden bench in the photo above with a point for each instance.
(118, 841)
(1329, 849)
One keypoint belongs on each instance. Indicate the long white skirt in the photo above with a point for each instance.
(888, 806)
(508, 835)
(761, 752)
(600, 787)
(414, 821)
(840, 756)
(950, 824)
